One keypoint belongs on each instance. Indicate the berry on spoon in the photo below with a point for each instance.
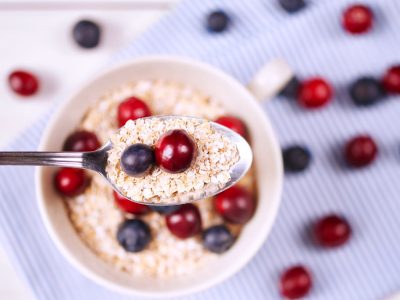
(175, 151)
(137, 160)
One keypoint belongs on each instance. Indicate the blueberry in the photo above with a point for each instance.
(217, 21)
(133, 235)
(292, 6)
(217, 239)
(86, 34)
(165, 209)
(366, 91)
(137, 160)
(291, 89)
(296, 158)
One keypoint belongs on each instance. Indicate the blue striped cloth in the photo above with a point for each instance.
(313, 43)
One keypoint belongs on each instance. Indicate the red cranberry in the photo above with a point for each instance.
(332, 231)
(361, 151)
(81, 141)
(357, 19)
(233, 123)
(314, 93)
(175, 151)
(130, 206)
(235, 205)
(70, 182)
(185, 222)
(391, 80)
(131, 109)
(23, 83)
(296, 282)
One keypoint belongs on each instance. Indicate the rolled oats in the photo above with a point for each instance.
(215, 156)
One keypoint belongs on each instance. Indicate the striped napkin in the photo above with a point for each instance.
(313, 43)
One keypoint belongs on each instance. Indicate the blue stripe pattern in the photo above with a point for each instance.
(313, 43)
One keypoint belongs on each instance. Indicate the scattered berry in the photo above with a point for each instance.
(131, 109)
(175, 151)
(332, 231)
(366, 91)
(185, 222)
(217, 21)
(137, 160)
(295, 282)
(314, 93)
(81, 141)
(23, 83)
(70, 182)
(164, 209)
(291, 90)
(129, 206)
(218, 239)
(233, 123)
(292, 6)
(86, 34)
(391, 80)
(361, 151)
(133, 235)
(235, 205)
(296, 158)
(357, 19)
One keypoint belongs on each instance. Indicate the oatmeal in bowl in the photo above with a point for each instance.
(160, 251)
(157, 241)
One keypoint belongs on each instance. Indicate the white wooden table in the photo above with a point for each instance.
(36, 35)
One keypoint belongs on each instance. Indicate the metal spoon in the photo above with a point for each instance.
(97, 161)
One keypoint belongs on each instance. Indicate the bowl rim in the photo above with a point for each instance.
(220, 276)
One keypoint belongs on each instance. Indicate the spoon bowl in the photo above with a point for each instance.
(237, 171)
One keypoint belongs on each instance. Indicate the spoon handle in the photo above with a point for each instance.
(56, 159)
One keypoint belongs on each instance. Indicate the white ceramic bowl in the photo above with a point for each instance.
(267, 157)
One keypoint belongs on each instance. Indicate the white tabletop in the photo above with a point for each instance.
(36, 35)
